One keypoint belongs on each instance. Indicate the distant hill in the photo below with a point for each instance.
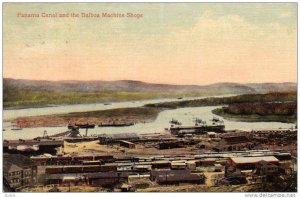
(273, 87)
(138, 86)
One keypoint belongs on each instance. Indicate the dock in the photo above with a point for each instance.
(44, 145)
(197, 129)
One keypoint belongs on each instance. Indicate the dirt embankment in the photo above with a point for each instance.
(201, 188)
(122, 115)
(118, 151)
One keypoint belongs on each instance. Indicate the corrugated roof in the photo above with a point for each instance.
(177, 164)
(176, 176)
(138, 176)
(211, 133)
(160, 162)
(120, 136)
(236, 139)
(244, 160)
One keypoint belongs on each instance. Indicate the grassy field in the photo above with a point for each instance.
(14, 97)
(44, 98)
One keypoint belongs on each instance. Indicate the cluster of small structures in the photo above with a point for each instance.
(216, 157)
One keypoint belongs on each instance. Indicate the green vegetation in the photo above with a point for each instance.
(213, 101)
(28, 93)
(277, 107)
(14, 97)
(259, 116)
(280, 107)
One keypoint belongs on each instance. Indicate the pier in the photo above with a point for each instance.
(44, 145)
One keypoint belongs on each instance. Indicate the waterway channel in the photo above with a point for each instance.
(185, 115)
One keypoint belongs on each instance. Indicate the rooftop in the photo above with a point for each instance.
(236, 139)
(211, 133)
(253, 160)
(17, 160)
(120, 136)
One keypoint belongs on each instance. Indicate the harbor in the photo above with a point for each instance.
(122, 152)
(135, 162)
(185, 115)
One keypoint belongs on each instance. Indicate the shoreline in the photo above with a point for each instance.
(150, 111)
(103, 102)
(120, 115)
(254, 117)
(29, 107)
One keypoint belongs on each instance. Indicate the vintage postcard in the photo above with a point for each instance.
(149, 97)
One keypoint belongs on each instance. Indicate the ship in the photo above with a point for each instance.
(175, 122)
(82, 126)
(200, 127)
(116, 124)
(16, 129)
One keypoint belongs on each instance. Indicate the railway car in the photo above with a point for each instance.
(83, 158)
(107, 168)
(54, 170)
(283, 156)
(61, 160)
(96, 162)
(92, 168)
(40, 161)
(72, 169)
(103, 157)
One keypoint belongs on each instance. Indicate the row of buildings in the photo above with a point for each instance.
(107, 171)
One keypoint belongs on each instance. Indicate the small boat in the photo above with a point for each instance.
(199, 121)
(116, 124)
(179, 98)
(85, 126)
(73, 127)
(16, 129)
(176, 122)
(107, 103)
(81, 126)
(216, 120)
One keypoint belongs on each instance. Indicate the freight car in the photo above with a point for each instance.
(54, 170)
(103, 157)
(40, 161)
(97, 162)
(62, 160)
(73, 169)
(83, 158)
(92, 168)
(80, 169)
(108, 167)
(72, 160)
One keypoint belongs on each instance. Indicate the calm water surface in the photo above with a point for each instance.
(184, 115)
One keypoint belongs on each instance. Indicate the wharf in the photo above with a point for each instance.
(31, 142)
(198, 129)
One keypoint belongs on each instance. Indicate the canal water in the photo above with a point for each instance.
(185, 115)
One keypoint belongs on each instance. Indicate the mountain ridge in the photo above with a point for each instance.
(140, 86)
